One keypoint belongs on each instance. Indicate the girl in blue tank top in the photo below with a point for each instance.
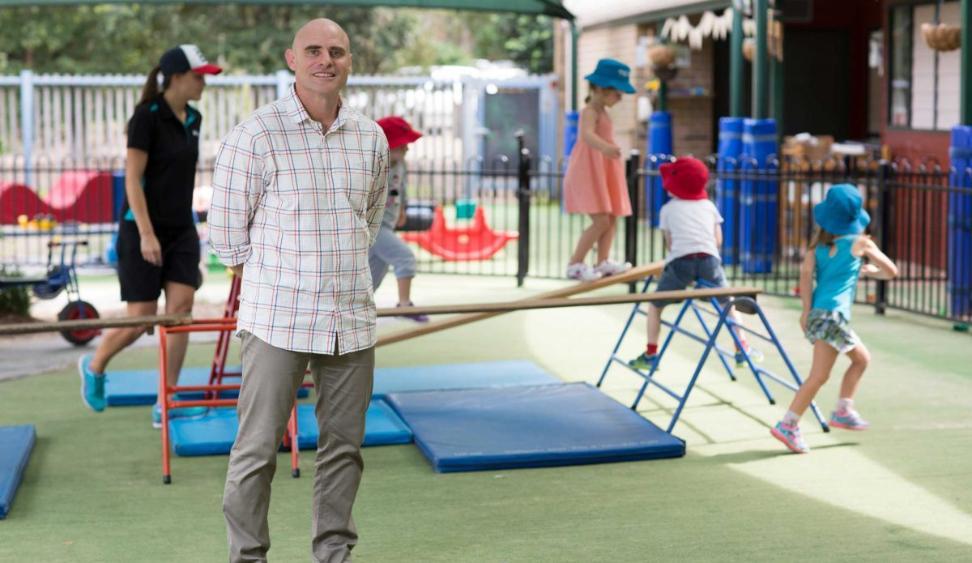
(828, 285)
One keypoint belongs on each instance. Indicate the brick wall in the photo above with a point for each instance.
(692, 114)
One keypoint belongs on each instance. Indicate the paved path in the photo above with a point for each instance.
(34, 354)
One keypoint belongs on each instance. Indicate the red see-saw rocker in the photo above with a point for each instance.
(475, 242)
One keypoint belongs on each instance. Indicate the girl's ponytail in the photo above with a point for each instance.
(151, 88)
(823, 237)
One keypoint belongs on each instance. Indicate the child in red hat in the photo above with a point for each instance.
(691, 225)
(389, 251)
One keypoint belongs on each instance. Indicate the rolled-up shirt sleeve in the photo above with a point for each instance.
(379, 190)
(237, 187)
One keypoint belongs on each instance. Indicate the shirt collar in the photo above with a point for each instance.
(298, 113)
(166, 112)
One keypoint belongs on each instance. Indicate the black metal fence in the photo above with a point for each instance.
(504, 217)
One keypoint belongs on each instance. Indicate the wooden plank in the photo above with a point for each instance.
(632, 275)
(82, 324)
(538, 303)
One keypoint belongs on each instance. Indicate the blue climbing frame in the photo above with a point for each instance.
(710, 340)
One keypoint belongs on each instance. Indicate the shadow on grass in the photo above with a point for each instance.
(756, 455)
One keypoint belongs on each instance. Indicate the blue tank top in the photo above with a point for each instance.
(836, 276)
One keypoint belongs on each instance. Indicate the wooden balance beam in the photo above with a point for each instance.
(538, 303)
(632, 275)
(82, 324)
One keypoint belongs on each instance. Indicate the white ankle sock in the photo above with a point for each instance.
(791, 418)
(844, 405)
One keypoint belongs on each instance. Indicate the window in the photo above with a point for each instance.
(924, 83)
(901, 66)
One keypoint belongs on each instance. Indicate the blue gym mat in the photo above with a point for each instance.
(141, 386)
(459, 376)
(214, 433)
(528, 426)
(16, 443)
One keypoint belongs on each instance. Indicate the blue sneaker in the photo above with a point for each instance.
(791, 437)
(182, 412)
(754, 354)
(92, 385)
(643, 362)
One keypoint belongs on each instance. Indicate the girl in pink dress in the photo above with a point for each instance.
(594, 182)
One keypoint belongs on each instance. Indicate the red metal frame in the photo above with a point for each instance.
(224, 326)
(218, 369)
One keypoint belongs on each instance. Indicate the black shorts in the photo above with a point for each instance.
(142, 281)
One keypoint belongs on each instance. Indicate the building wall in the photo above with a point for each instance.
(914, 144)
(692, 114)
(690, 101)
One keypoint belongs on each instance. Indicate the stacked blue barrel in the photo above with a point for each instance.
(758, 194)
(960, 223)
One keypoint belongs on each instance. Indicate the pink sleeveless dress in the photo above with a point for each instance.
(593, 182)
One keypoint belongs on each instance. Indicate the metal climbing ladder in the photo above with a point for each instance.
(746, 305)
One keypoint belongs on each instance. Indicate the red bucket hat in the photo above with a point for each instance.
(685, 178)
(398, 132)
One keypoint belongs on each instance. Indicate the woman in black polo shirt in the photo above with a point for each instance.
(158, 246)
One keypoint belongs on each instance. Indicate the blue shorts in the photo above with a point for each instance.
(687, 270)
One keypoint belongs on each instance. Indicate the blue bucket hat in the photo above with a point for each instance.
(611, 74)
(841, 212)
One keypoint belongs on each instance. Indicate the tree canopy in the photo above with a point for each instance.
(128, 38)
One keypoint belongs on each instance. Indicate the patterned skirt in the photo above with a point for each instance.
(832, 328)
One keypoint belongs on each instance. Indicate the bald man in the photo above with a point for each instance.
(298, 194)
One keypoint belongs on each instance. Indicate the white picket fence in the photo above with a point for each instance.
(58, 118)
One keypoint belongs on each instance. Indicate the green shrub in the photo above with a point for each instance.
(14, 301)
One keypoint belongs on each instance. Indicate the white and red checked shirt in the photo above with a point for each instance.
(299, 207)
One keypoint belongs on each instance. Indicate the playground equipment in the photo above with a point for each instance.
(83, 196)
(456, 244)
(60, 277)
(743, 304)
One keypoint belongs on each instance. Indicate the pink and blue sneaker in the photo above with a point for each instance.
(848, 420)
(791, 437)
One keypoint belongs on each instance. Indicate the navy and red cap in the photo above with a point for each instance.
(184, 58)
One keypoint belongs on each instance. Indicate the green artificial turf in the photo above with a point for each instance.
(93, 489)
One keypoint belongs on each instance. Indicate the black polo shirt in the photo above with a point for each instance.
(170, 174)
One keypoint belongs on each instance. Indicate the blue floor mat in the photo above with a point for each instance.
(528, 426)
(214, 433)
(16, 443)
(141, 387)
(459, 376)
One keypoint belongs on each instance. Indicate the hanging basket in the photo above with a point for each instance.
(942, 37)
(749, 49)
(661, 55)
